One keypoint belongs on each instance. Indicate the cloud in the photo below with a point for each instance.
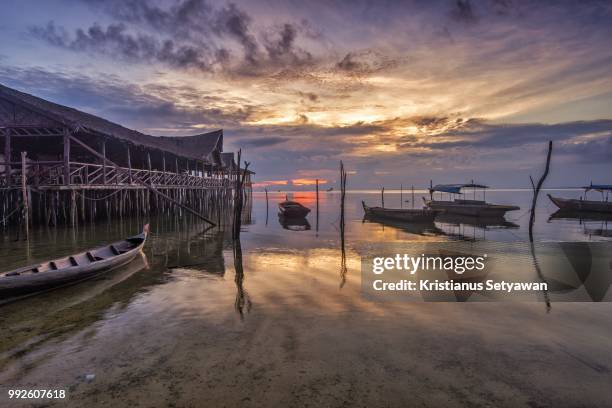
(260, 142)
(151, 108)
(116, 41)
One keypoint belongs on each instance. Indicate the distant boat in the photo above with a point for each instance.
(73, 268)
(330, 189)
(292, 209)
(580, 205)
(401, 214)
(474, 208)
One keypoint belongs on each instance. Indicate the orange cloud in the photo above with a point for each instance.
(307, 182)
(271, 183)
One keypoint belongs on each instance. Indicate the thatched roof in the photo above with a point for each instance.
(204, 146)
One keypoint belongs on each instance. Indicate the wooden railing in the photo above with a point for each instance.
(51, 173)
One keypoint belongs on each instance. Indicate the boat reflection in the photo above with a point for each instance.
(467, 227)
(293, 224)
(594, 224)
(421, 228)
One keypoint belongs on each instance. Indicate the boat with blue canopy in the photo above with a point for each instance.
(582, 204)
(464, 206)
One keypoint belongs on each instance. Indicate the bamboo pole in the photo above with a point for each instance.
(401, 196)
(382, 197)
(412, 198)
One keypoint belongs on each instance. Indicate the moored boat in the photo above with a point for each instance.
(70, 269)
(473, 208)
(401, 214)
(292, 209)
(584, 205)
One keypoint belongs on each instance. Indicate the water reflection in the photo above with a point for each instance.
(293, 223)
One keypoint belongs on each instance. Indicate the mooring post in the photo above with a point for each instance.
(24, 196)
(412, 198)
(536, 190)
(401, 196)
(382, 197)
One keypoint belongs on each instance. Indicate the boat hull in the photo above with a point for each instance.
(400, 214)
(25, 281)
(471, 208)
(292, 209)
(568, 204)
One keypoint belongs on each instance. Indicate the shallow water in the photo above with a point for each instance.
(280, 320)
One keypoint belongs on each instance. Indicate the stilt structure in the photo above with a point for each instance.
(75, 166)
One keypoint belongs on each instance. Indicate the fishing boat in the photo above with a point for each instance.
(71, 269)
(474, 208)
(401, 214)
(292, 209)
(584, 205)
(330, 189)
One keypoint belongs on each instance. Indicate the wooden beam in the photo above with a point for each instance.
(66, 156)
(148, 186)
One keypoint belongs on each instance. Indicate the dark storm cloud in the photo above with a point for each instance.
(116, 41)
(190, 34)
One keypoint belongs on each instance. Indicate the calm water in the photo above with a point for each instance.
(280, 321)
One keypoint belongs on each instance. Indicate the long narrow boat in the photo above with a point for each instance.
(402, 214)
(583, 205)
(70, 269)
(474, 208)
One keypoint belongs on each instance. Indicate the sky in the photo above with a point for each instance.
(402, 92)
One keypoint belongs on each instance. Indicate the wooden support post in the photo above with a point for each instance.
(148, 186)
(382, 197)
(412, 198)
(164, 167)
(129, 161)
(104, 161)
(66, 157)
(24, 196)
(401, 196)
(7, 155)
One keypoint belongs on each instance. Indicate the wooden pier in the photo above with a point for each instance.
(63, 166)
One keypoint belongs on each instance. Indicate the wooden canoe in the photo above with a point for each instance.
(569, 204)
(70, 269)
(401, 214)
(292, 209)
